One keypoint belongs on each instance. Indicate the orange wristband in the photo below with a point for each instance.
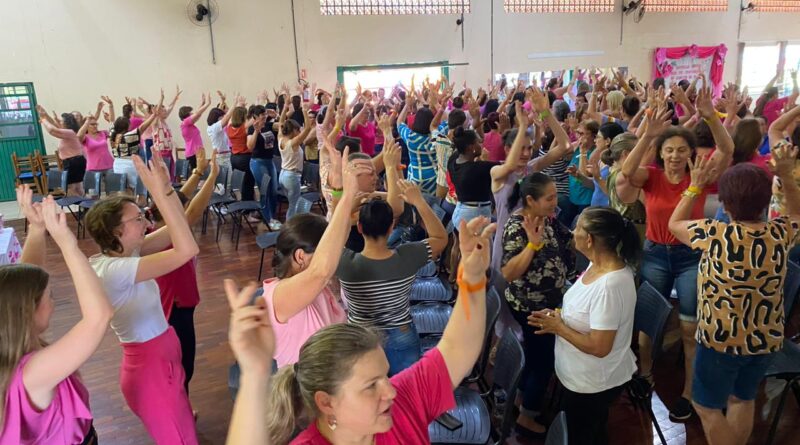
(465, 288)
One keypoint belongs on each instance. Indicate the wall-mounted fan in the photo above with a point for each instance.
(634, 6)
(202, 12)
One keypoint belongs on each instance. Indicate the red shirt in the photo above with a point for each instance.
(179, 287)
(424, 391)
(366, 133)
(238, 138)
(660, 199)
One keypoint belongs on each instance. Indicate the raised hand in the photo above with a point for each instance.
(503, 122)
(156, 177)
(522, 117)
(538, 100)
(703, 103)
(391, 153)
(658, 121)
(31, 210)
(56, 222)
(385, 125)
(410, 192)
(474, 242)
(702, 171)
(250, 333)
(534, 229)
(107, 100)
(783, 160)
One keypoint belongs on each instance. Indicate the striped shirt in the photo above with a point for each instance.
(558, 171)
(377, 291)
(421, 158)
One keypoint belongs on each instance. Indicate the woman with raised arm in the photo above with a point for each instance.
(95, 146)
(162, 134)
(70, 150)
(666, 263)
(422, 156)
(126, 143)
(741, 281)
(151, 376)
(190, 132)
(340, 381)
(44, 400)
(290, 142)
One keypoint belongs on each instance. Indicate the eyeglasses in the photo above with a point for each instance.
(140, 218)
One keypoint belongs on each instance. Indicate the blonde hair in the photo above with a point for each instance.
(326, 361)
(21, 289)
(614, 100)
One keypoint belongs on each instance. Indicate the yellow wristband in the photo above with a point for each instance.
(544, 114)
(694, 189)
(535, 247)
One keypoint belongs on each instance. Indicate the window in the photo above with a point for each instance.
(389, 77)
(686, 5)
(777, 5)
(543, 6)
(758, 66)
(393, 7)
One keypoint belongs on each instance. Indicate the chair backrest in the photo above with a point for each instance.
(650, 317)
(263, 186)
(791, 286)
(139, 188)
(182, 169)
(509, 362)
(116, 183)
(303, 206)
(439, 211)
(56, 181)
(237, 180)
(91, 181)
(311, 175)
(492, 313)
(557, 433)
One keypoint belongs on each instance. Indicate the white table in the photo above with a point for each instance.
(10, 249)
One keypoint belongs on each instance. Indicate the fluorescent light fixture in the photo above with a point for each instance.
(560, 54)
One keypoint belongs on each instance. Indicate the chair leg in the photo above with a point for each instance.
(205, 222)
(774, 427)
(261, 264)
(655, 421)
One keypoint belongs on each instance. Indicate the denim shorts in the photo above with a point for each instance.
(467, 212)
(402, 347)
(718, 376)
(667, 266)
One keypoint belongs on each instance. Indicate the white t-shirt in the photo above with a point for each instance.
(138, 316)
(219, 139)
(607, 304)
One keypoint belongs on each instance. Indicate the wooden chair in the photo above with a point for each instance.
(27, 171)
(52, 161)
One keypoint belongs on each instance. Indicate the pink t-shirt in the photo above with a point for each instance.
(98, 155)
(772, 110)
(290, 336)
(424, 392)
(69, 145)
(66, 421)
(367, 135)
(191, 135)
(135, 122)
(493, 143)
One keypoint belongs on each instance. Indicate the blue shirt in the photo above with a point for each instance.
(579, 194)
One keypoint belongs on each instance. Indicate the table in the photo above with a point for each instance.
(10, 249)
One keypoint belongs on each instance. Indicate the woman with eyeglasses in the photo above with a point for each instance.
(95, 143)
(151, 375)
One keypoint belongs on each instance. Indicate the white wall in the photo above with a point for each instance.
(76, 50)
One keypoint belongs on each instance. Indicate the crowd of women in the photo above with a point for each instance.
(594, 186)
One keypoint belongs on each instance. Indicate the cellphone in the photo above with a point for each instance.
(448, 421)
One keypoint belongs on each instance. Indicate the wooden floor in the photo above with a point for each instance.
(116, 425)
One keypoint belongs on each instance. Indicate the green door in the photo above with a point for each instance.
(20, 132)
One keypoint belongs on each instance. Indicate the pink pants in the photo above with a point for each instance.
(151, 378)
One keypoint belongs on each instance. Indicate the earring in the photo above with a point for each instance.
(332, 424)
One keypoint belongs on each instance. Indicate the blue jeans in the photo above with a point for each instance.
(717, 376)
(665, 267)
(467, 212)
(291, 183)
(402, 347)
(269, 197)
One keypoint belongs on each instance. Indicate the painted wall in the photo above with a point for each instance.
(76, 50)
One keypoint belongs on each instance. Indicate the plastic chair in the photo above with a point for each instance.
(430, 289)
(303, 206)
(479, 370)
(557, 434)
(428, 270)
(56, 182)
(218, 200)
(473, 412)
(116, 183)
(430, 318)
(650, 317)
(239, 208)
(181, 170)
(265, 241)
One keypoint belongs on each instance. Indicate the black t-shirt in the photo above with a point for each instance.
(472, 180)
(265, 142)
(298, 117)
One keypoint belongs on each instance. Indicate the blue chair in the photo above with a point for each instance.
(116, 183)
(234, 372)
(430, 289)
(478, 375)
(428, 270)
(181, 170)
(430, 318)
(557, 434)
(303, 206)
(265, 241)
(473, 412)
(218, 201)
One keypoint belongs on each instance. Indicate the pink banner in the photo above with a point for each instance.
(686, 62)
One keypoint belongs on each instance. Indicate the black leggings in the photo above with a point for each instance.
(242, 162)
(182, 320)
(192, 163)
(587, 415)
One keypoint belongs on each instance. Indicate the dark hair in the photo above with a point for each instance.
(463, 139)
(458, 102)
(796, 136)
(321, 114)
(103, 220)
(297, 102)
(747, 139)
(533, 185)
(552, 83)
(551, 97)
(127, 110)
(610, 130)
(357, 109)
(613, 232)
(671, 132)
(303, 231)
(256, 110)
(456, 119)
(684, 84)
(121, 125)
(184, 112)
(561, 110)
(375, 218)
(214, 115)
(745, 190)
(591, 126)
(511, 134)
(289, 127)
(492, 122)
(703, 136)
(622, 143)
(659, 82)
(70, 122)
(491, 106)
(347, 141)
(422, 121)
(631, 105)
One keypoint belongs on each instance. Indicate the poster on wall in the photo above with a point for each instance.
(687, 62)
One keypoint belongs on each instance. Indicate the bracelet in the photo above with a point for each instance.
(695, 189)
(196, 172)
(337, 193)
(535, 247)
(545, 114)
(689, 194)
(465, 288)
(171, 191)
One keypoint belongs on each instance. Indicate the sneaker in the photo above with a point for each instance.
(681, 411)
(274, 225)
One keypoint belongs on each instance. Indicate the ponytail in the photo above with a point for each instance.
(616, 233)
(533, 185)
(463, 139)
(513, 198)
(286, 406)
